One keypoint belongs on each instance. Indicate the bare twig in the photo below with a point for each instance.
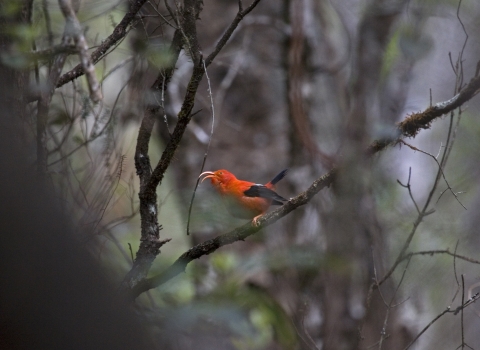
(206, 151)
(131, 252)
(119, 174)
(93, 134)
(233, 70)
(461, 321)
(439, 169)
(302, 332)
(460, 56)
(407, 186)
(228, 33)
(383, 333)
(460, 308)
(458, 84)
(442, 251)
(427, 326)
(161, 16)
(455, 271)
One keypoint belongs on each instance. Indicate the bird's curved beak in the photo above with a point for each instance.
(210, 174)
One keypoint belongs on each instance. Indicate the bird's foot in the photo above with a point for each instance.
(255, 220)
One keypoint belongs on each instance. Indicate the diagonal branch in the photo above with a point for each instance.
(231, 28)
(239, 234)
(409, 127)
(422, 120)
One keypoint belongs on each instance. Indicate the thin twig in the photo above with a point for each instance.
(460, 56)
(461, 315)
(131, 251)
(426, 327)
(442, 251)
(161, 16)
(226, 36)
(210, 95)
(460, 308)
(407, 186)
(383, 334)
(119, 174)
(439, 169)
(455, 271)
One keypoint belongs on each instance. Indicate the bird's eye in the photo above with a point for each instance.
(220, 173)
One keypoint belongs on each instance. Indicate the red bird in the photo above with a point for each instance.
(245, 199)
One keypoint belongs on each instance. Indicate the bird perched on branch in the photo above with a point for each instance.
(245, 199)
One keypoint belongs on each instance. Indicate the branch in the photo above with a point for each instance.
(82, 47)
(118, 33)
(239, 234)
(470, 301)
(228, 33)
(150, 229)
(439, 169)
(422, 120)
(184, 116)
(441, 251)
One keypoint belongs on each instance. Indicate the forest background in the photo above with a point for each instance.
(111, 110)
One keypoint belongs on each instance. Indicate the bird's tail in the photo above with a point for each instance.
(280, 176)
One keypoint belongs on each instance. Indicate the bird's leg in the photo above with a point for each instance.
(255, 220)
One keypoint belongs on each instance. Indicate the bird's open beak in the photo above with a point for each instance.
(210, 174)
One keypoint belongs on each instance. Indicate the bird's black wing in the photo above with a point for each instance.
(258, 190)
